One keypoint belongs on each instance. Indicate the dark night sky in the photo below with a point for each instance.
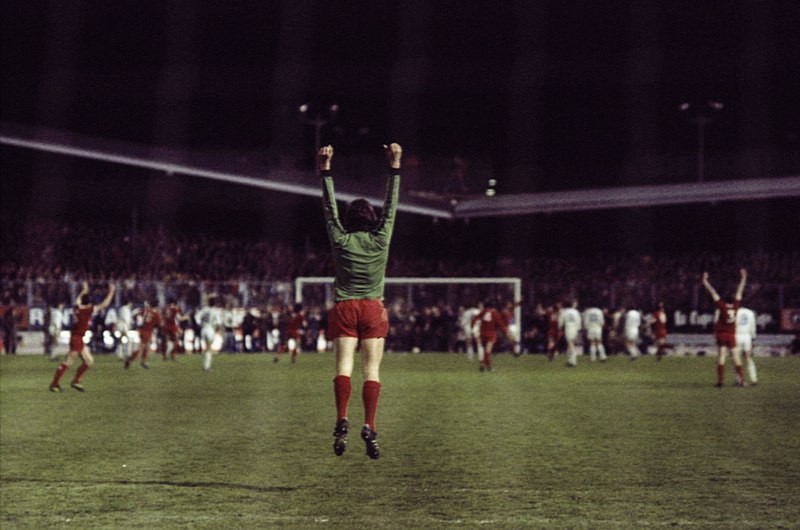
(540, 94)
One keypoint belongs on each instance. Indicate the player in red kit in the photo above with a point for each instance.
(725, 329)
(553, 331)
(660, 330)
(171, 329)
(151, 319)
(490, 321)
(294, 331)
(82, 315)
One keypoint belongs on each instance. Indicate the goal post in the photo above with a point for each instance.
(425, 291)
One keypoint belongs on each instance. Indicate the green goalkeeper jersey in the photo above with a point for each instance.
(360, 257)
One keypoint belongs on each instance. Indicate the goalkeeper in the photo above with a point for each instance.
(360, 245)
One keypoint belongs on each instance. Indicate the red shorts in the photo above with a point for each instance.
(486, 338)
(76, 343)
(726, 339)
(363, 319)
(145, 336)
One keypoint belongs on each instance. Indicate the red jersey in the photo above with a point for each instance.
(490, 320)
(552, 323)
(660, 324)
(726, 317)
(296, 322)
(150, 319)
(170, 318)
(83, 317)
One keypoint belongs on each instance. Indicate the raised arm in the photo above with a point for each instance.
(709, 288)
(332, 222)
(742, 282)
(107, 300)
(324, 157)
(394, 154)
(84, 290)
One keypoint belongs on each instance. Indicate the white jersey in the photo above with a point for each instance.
(745, 328)
(466, 322)
(633, 320)
(56, 320)
(210, 320)
(124, 319)
(570, 321)
(593, 320)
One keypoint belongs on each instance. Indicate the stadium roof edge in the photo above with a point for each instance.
(630, 197)
(192, 164)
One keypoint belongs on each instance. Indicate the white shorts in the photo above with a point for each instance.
(571, 334)
(594, 333)
(208, 335)
(632, 334)
(744, 342)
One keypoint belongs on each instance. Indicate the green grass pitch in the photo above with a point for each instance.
(532, 445)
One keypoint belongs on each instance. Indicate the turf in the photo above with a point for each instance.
(532, 445)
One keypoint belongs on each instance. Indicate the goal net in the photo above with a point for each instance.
(410, 300)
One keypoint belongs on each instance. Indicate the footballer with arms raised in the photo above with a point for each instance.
(725, 329)
(151, 319)
(82, 316)
(490, 321)
(360, 246)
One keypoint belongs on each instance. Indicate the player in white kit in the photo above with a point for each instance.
(745, 335)
(54, 330)
(210, 320)
(569, 320)
(593, 320)
(123, 326)
(471, 333)
(633, 321)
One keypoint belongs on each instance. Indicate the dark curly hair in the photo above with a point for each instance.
(360, 217)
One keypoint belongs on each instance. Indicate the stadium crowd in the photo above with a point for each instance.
(53, 257)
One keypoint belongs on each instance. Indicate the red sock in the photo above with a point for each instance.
(720, 373)
(59, 372)
(341, 390)
(81, 370)
(740, 373)
(487, 360)
(369, 393)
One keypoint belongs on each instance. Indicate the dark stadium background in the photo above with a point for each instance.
(545, 95)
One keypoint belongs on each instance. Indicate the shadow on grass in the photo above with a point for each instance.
(178, 484)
